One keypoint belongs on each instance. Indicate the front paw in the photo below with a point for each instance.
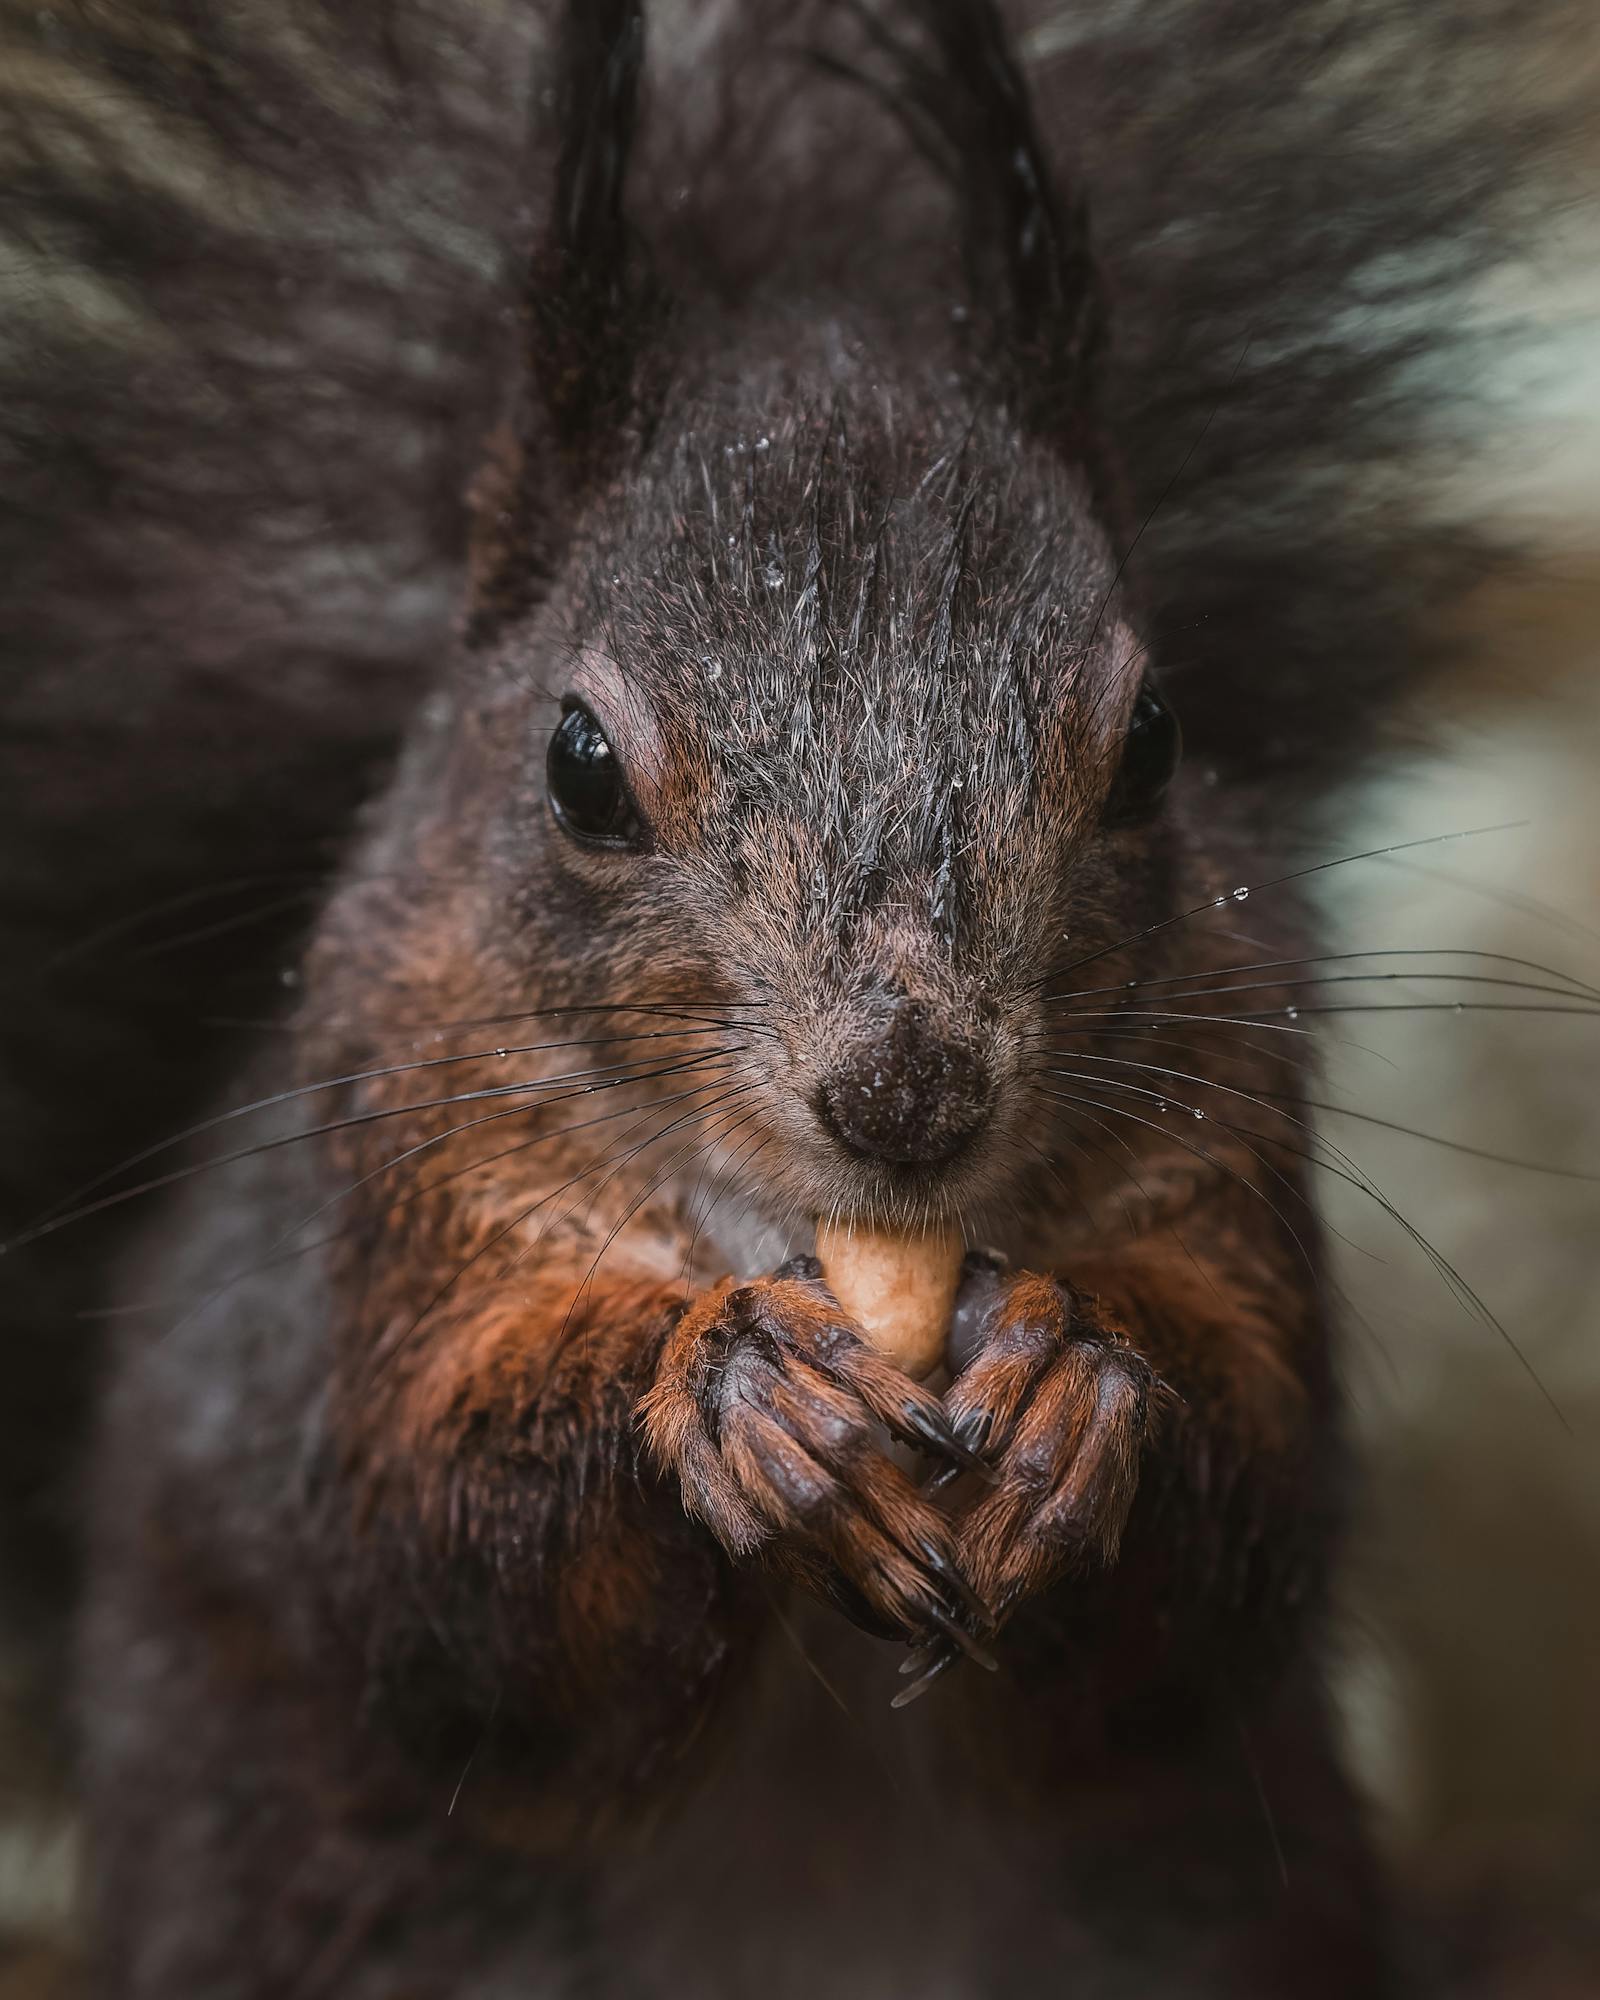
(1059, 1404)
(771, 1410)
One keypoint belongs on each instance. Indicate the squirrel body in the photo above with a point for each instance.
(500, 1539)
(514, 1497)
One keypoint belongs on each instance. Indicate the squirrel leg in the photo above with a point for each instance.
(771, 1410)
(1061, 1403)
(496, 1508)
(1190, 1377)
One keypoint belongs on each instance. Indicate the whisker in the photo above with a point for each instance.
(706, 1111)
(52, 1223)
(86, 945)
(1162, 1099)
(1073, 1194)
(722, 1015)
(1121, 1199)
(1344, 979)
(282, 1097)
(258, 913)
(1267, 1017)
(704, 1214)
(387, 1352)
(1274, 882)
(1453, 1280)
(310, 1026)
(1530, 906)
(650, 1188)
(279, 1250)
(1199, 1152)
(1257, 1098)
(1572, 983)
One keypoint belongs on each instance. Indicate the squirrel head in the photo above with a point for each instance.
(833, 726)
(798, 678)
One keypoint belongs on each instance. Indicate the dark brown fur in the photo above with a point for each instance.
(439, 1638)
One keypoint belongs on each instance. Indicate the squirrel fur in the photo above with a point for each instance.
(875, 422)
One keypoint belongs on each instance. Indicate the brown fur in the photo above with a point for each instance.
(442, 1619)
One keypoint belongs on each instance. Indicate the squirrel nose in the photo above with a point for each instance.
(907, 1094)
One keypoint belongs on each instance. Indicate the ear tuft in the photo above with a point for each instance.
(1031, 268)
(587, 290)
(588, 317)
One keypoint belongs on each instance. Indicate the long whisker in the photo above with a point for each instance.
(650, 1188)
(1322, 980)
(1458, 1286)
(388, 1351)
(618, 1164)
(1273, 882)
(354, 1120)
(1241, 1033)
(1267, 1018)
(1258, 1097)
(279, 1251)
(1121, 1200)
(701, 1211)
(350, 1077)
(258, 913)
(720, 1016)
(1530, 906)
(1199, 1152)
(86, 945)
(1073, 1194)
(1572, 983)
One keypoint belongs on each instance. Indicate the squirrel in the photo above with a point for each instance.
(501, 1541)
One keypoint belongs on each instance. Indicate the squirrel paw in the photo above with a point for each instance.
(1059, 1404)
(771, 1411)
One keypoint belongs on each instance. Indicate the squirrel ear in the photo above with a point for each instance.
(587, 292)
(588, 307)
(1027, 239)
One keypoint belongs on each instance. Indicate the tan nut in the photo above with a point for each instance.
(899, 1288)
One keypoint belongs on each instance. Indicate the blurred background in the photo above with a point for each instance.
(1470, 1609)
(1468, 1663)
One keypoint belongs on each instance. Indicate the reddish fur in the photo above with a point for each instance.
(499, 1490)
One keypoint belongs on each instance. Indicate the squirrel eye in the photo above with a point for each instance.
(1150, 754)
(587, 791)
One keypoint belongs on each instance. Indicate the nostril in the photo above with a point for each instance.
(908, 1094)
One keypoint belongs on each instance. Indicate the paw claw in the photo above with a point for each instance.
(938, 1435)
(1062, 1408)
(942, 1664)
(949, 1575)
(958, 1635)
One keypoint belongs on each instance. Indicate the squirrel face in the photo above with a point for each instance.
(830, 714)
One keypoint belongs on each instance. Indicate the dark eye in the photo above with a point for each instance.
(586, 785)
(1150, 754)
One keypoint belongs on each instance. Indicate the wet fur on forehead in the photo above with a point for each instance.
(859, 603)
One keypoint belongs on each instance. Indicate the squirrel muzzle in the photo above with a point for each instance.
(909, 1093)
